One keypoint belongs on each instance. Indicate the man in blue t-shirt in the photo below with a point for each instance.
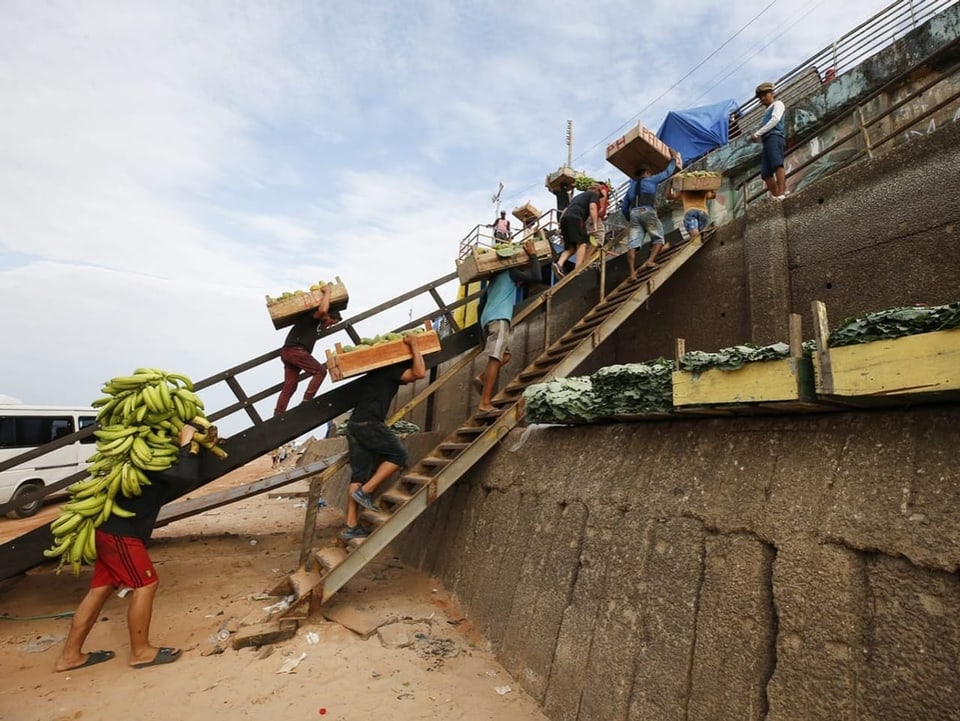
(638, 208)
(501, 296)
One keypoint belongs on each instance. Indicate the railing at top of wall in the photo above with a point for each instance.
(851, 49)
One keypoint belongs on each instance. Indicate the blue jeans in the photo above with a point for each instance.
(644, 224)
(695, 220)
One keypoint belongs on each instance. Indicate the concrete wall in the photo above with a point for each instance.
(789, 569)
(778, 568)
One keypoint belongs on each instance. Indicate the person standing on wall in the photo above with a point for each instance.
(772, 133)
(638, 208)
(501, 227)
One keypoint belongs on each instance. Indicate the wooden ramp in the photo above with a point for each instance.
(420, 485)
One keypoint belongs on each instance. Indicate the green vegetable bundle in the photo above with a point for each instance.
(895, 323)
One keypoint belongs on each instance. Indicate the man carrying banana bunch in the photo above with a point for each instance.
(123, 562)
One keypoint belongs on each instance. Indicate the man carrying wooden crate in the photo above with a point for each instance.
(497, 311)
(297, 350)
(375, 451)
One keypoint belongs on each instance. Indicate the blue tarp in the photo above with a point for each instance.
(697, 131)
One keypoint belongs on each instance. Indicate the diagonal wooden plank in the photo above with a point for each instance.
(615, 313)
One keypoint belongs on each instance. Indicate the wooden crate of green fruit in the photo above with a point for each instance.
(377, 352)
(285, 308)
(696, 180)
(562, 176)
(484, 261)
(638, 148)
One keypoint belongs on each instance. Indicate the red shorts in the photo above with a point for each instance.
(122, 561)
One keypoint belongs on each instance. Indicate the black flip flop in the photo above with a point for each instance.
(164, 655)
(93, 658)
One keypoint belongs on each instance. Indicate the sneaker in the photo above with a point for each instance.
(351, 532)
(365, 500)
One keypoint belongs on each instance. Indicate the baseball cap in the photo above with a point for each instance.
(763, 88)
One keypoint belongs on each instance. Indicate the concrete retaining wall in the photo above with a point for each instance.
(789, 568)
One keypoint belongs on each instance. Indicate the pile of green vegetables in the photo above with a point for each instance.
(378, 339)
(895, 323)
(628, 389)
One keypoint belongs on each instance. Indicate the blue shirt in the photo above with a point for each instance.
(501, 297)
(644, 190)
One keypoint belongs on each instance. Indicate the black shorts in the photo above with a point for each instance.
(574, 231)
(371, 442)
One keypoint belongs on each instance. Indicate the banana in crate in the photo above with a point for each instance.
(140, 418)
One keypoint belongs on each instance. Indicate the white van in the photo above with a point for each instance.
(23, 428)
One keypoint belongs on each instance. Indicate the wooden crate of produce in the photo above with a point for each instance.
(638, 148)
(897, 370)
(483, 261)
(344, 364)
(558, 177)
(526, 213)
(283, 312)
(686, 181)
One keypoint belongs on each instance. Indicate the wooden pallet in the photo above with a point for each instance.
(484, 262)
(638, 148)
(284, 312)
(342, 364)
(913, 368)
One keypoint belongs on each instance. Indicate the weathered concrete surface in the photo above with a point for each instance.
(799, 568)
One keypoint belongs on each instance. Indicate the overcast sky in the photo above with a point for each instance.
(165, 165)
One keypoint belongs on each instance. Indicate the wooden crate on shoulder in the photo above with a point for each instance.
(639, 148)
(685, 181)
(526, 213)
(782, 382)
(909, 369)
(483, 262)
(561, 176)
(283, 312)
(341, 364)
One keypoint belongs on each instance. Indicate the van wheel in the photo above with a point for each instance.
(27, 509)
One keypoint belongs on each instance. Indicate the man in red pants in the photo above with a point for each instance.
(297, 350)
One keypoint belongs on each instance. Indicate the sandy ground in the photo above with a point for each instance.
(423, 661)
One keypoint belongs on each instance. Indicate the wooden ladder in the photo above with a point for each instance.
(419, 486)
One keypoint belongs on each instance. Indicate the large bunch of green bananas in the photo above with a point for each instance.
(140, 418)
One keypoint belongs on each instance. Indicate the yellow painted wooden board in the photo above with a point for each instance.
(922, 363)
(786, 379)
(484, 262)
(284, 312)
(344, 365)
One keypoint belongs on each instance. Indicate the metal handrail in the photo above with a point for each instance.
(871, 144)
(865, 40)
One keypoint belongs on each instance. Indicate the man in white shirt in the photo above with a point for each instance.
(772, 133)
